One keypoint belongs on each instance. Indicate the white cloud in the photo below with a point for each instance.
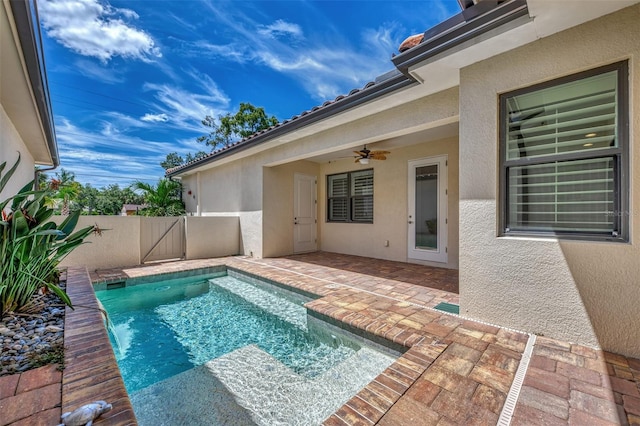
(281, 28)
(326, 66)
(109, 129)
(73, 137)
(185, 109)
(94, 29)
(109, 155)
(95, 71)
(155, 118)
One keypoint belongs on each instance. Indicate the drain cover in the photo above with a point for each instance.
(448, 307)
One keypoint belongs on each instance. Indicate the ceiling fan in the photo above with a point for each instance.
(365, 155)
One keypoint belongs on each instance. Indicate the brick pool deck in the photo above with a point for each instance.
(454, 370)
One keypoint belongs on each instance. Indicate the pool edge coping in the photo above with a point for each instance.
(91, 372)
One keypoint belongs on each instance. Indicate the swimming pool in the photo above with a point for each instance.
(218, 349)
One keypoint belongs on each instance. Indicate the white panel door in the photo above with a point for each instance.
(304, 213)
(428, 209)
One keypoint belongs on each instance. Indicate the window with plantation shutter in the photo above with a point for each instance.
(362, 196)
(350, 197)
(338, 194)
(564, 157)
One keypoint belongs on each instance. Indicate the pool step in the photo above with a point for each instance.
(275, 395)
(272, 303)
(195, 397)
(250, 387)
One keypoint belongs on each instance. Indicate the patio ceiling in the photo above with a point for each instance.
(389, 144)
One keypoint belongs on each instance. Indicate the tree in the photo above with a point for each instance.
(162, 199)
(172, 160)
(43, 181)
(109, 200)
(65, 190)
(232, 128)
(87, 200)
(129, 196)
(193, 157)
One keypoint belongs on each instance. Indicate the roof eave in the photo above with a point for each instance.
(470, 23)
(26, 20)
(378, 90)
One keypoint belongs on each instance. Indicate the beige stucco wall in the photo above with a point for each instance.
(233, 189)
(10, 145)
(579, 291)
(390, 206)
(239, 188)
(278, 205)
(119, 244)
(208, 237)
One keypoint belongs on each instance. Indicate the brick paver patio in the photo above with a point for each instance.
(453, 370)
(32, 397)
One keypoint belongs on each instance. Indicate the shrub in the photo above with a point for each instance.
(31, 246)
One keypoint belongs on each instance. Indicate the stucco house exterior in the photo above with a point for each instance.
(511, 131)
(26, 119)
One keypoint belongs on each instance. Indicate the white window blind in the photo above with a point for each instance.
(571, 117)
(338, 200)
(561, 156)
(563, 196)
(350, 197)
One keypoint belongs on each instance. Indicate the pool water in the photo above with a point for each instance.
(249, 338)
(172, 326)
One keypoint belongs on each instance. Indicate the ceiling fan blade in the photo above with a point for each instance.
(360, 153)
(379, 152)
(378, 157)
(358, 159)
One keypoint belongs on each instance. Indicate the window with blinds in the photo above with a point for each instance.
(338, 197)
(350, 197)
(563, 156)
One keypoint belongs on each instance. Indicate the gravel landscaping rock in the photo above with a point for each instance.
(23, 337)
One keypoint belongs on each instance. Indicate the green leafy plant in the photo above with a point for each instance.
(31, 245)
(162, 199)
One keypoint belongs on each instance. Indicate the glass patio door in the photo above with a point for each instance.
(427, 221)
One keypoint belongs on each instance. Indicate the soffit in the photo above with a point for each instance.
(16, 95)
(546, 17)
(390, 142)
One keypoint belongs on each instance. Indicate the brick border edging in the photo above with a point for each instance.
(91, 372)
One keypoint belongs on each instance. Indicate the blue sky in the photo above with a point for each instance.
(130, 81)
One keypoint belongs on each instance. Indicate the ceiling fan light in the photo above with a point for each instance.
(364, 161)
